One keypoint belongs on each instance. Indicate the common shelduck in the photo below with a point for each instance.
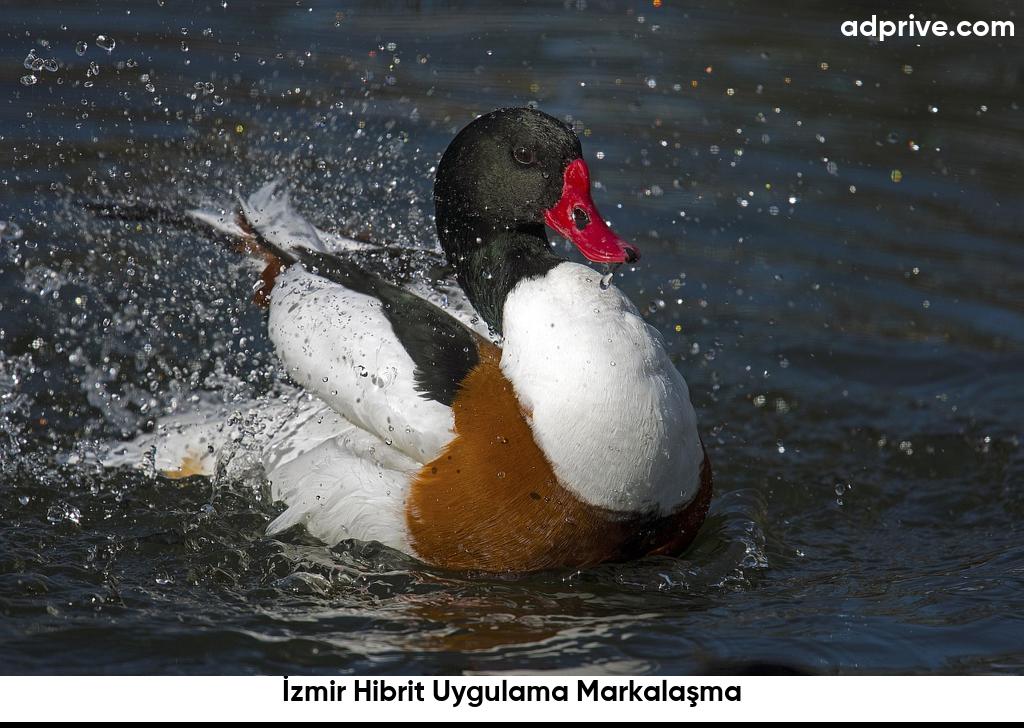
(535, 422)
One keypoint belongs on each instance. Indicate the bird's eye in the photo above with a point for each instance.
(524, 155)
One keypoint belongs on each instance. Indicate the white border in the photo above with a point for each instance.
(114, 699)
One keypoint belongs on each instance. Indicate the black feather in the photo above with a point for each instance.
(442, 348)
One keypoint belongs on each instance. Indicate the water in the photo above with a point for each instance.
(831, 238)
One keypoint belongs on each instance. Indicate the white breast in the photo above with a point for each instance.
(609, 409)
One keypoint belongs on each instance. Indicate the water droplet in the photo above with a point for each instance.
(28, 80)
(63, 512)
(9, 232)
(105, 42)
(81, 47)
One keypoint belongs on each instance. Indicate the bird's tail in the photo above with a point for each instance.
(265, 225)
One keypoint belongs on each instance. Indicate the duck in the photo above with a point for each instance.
(522, 416)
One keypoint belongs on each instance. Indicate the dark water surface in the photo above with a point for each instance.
(832, 247)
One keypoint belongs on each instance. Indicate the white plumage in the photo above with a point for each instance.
(350, 485)
(339, 345)
(607, 407)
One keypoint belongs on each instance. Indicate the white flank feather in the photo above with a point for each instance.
(339, 345)
(350, 486)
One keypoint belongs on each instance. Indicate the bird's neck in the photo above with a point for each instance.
(490, 262)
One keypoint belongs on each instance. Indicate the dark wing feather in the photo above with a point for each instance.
(442, 348)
